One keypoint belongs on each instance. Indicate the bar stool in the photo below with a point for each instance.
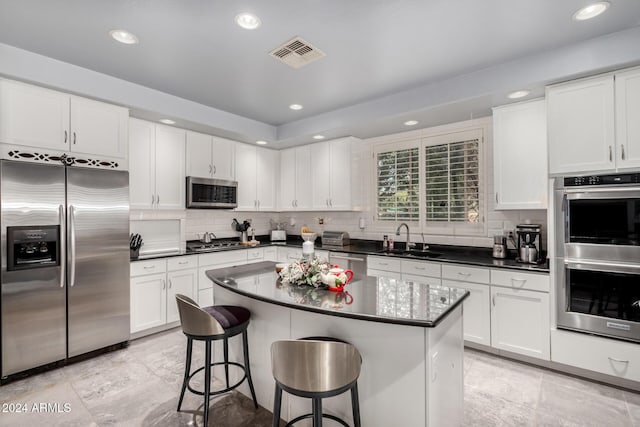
(218, 322)
(315, 368)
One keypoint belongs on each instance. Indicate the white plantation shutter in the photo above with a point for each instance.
(452, 190)
(397, 183)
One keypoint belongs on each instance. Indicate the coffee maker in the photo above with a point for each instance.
(529, 243)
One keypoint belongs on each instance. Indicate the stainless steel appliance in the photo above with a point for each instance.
(335, 238)
(529, 243)
(499, 246)
(597, 222)
(65, 262)
(208, 193)
(278, 235)
(348, 261)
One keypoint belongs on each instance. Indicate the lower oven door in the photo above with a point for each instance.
(599, 298)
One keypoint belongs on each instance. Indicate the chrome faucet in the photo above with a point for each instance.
(409, 244)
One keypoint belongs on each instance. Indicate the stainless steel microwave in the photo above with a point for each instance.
(208, 193)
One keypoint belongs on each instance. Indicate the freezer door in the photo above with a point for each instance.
(32, 301)
(98, 258)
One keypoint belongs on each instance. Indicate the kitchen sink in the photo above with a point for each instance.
(413, 252)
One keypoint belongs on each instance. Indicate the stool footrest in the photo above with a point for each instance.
(329, 416)
(214, 393)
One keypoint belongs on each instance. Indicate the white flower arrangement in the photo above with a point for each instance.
(305, 272)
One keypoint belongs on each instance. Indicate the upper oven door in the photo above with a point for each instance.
(601, 223)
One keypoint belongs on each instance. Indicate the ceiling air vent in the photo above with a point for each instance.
(297, 52)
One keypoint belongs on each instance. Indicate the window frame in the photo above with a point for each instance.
(456, 132)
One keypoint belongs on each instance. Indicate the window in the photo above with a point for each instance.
(398, 185)
(451, 182)
(436, 181)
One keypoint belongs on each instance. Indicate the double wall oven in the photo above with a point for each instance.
(597, 222)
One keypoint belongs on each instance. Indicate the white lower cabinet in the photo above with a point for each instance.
(611, 357)
(212, 261)
(476, 317)
(520, 313)
(154, 284)
(520, 321)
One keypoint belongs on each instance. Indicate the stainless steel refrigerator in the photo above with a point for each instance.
(65, 262)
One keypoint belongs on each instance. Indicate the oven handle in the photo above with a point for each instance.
(613, 267)
(602, 193)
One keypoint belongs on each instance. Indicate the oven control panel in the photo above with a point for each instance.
(620, 179)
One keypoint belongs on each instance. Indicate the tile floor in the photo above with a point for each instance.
(139, 386)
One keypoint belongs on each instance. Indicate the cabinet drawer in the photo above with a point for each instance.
(465, 274)
(141, 268)
(384, 263)
(420, 268)
(516, 280)
(255, 254)
(617, 358)
(417, 278)
(384, 274)
(182, 262)
(231, 257)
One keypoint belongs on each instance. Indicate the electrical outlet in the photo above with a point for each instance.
(320, 221)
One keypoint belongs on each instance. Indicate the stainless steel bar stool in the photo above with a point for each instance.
(209, 324)
(315, 368)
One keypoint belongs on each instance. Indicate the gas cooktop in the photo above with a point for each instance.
(215, 245)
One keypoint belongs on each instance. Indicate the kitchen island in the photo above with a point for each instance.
(409, 335)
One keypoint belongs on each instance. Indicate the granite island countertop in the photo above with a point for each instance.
(377, 299)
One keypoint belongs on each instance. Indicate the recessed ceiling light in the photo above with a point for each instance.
(123, 36)
(167, 121)
(411, 123)
(591, 11)
(261, 142)
(248, 21)
(518, 94)
(318, 136)
(296, 107)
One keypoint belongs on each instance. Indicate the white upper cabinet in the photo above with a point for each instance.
(98, 128)
(33, 116)
(156, 160)
(520, 155)
(628, 119)
(256, 170)
(593, 124)
(295, 178)
(42, 118)
(209, 156)
(331, 175)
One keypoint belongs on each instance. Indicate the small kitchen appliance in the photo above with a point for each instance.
(278, 233)
(335, 238)
(529, 243)
(499, 246)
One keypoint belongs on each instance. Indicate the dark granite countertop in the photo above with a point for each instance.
(473, 256)
(377, 299)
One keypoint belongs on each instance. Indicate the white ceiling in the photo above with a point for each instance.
(379, 52)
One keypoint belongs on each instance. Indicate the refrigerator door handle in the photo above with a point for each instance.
(72, 243)
(63, 249)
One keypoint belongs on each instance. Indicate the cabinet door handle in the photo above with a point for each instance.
(149, 267)
(153, 199)
(183, 262)
(493, 300)
(610, 154)
(383, 263)
(65, 136)
(520, 281)
(293, 203)
(214, 169)
(210, 169)
(258, 204)
(169, 283)
(164, 284)
(622, 147)
(496, 198)
(74, 138)
(613, 359)
(157, 199)
(420, 268)
(465, 275)
(331, 202)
